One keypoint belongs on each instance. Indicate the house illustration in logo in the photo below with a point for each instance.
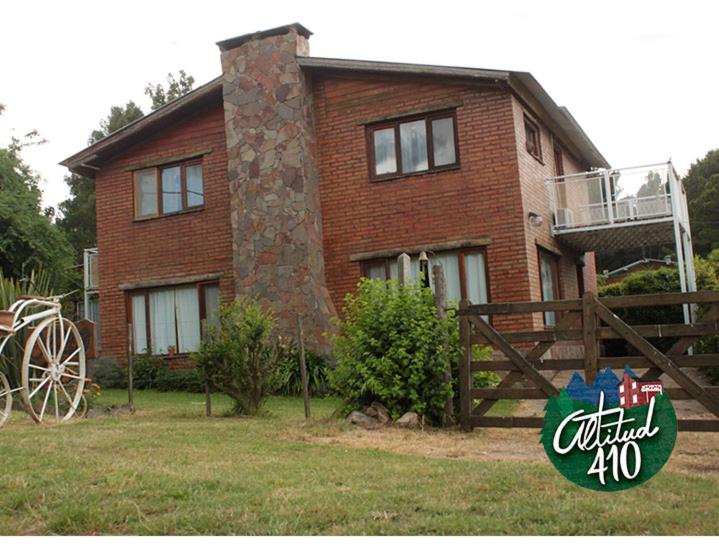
(635, 391)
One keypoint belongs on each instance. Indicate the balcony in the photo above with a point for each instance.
(613, 209)
(608, 210)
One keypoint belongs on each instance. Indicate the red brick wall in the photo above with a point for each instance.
(177, 245)
(480, 199)
(536, 198)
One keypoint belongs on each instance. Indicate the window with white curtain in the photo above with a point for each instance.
(167, 319)
(465, 273)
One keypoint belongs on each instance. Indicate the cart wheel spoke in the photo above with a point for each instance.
(43, 349)
(42, 385)
(44, 403)
(72, 355)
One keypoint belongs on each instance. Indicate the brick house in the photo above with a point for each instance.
(290, 177)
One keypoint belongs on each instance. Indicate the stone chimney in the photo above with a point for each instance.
(275, 204)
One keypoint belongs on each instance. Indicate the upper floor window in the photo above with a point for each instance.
(558, 161)
(532, 138)
(168, 189)
(415, 145)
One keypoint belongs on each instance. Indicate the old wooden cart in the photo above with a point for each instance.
(52, 369)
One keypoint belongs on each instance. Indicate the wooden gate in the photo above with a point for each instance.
(586, 322)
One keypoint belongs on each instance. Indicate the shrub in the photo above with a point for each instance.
(239, 355)
(109, 374)
(657, 281)
(145, 370)
(179, 380)
(287, 380)
(392, 349)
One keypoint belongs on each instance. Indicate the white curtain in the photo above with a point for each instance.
(476, 278)
(139, 324)
(450, 266)
(187, 308)
(547, 272)
(162, 320)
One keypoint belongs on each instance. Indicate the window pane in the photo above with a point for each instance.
(476, 278)
(146, 193)
(413, 140)
(187, 309)
(195, 192)
(377, 271)
(385, 155)
(171, 190)
(443, 142)
(450, 267)
(546, 268)
(212, 302)
(162, 320)
(139, 324)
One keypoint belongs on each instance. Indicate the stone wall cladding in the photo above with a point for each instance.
(274, 197)
(184, 244)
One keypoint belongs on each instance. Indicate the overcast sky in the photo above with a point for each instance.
(640, 77)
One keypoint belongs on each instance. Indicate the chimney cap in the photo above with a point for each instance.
(234, 42)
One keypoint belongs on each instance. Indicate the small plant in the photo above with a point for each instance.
(239, 355)
(145, 370)
(287, 380)
(108, 373)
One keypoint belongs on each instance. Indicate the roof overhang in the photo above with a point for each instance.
(88, 161)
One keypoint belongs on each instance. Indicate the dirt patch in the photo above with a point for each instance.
(695, 453)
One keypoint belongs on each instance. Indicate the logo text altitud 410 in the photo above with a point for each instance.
(611, 435)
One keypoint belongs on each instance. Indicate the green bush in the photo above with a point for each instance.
(392, 349)
(108, 373)
(179, 380)
(239, 355)
(654, 281)
(287, 380)
(145, 369)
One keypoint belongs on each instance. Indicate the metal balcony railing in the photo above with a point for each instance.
(616, 196)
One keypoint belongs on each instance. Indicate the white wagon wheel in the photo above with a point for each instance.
(5, 399)
(53, 370)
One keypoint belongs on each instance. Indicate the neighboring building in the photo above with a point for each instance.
(289, 177)
(635, 391)
(644, 264)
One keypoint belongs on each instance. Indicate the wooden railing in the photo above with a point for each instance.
(587, 322)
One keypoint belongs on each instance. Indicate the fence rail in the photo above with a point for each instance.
(586, 322)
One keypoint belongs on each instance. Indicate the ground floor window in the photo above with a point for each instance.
(549, 280)
(170, 319)
(465, 272)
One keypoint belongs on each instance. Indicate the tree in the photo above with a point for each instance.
(29, 240)
(176, 87)
(118, 118)
(78, 211)
(702, 184)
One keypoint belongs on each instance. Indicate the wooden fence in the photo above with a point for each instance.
(587, 322)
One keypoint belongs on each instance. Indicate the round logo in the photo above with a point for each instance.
(611, 435)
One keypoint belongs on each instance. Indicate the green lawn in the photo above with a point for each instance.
(170, 470)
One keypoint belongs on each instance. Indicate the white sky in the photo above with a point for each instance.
(640, 77)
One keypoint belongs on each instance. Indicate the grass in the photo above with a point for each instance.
(170, 470)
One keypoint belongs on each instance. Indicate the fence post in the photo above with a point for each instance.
(404, 269)
(208, 395)
(440, 302)
(589, 333)
(303, 368)
(130, 383)
(465, 370)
